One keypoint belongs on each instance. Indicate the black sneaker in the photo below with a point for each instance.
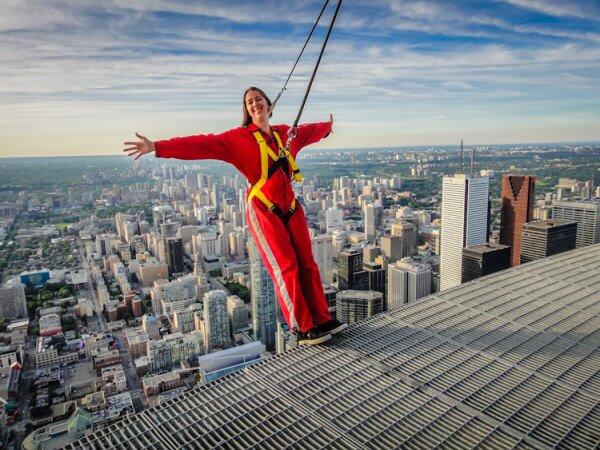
(332, 327)
(312, 337)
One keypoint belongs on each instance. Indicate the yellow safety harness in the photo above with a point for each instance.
(282, 159)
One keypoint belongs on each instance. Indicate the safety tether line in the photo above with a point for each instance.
(312, 78)
(300, 54)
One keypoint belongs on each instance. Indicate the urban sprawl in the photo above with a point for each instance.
(125, 284)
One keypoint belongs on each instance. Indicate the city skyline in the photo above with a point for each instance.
(81, 78)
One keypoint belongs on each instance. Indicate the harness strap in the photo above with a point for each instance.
(285, 216)
(285, 157)
(284, 151)
(255, 191)
(280, 163)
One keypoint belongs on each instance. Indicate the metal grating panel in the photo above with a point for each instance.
(508, 361)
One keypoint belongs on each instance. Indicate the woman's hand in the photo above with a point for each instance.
(139, 148)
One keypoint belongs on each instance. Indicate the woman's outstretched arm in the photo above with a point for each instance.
(201, 146)
(310, 133)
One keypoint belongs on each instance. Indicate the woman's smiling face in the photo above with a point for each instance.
(257, 106)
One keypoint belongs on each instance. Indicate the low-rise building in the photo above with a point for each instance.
(96, 342)
(113, 380)
(8, 355)
(85, 307)
(48, 355)
(161, 383)
(137, 342)
(174, 348)
(142, 365)
(353, 306)
(106, 358)
(94, 402)
(50, 325)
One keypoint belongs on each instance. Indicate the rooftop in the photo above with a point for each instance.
(545, 224)
(486, 248)
(362, 295)
(511, 360)
(592, 203)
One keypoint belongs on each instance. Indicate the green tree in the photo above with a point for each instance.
(46, 296)
(64, 292)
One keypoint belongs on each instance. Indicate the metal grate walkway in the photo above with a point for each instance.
(508, 361)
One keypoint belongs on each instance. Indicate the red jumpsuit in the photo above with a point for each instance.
(285, 246)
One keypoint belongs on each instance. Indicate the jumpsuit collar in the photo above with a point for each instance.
(252, 128)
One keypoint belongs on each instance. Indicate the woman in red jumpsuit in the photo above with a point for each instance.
(276, 221)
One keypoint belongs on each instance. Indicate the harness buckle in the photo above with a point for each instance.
(292, 134)
(283, 216)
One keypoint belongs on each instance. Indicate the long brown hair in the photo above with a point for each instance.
(246, 119)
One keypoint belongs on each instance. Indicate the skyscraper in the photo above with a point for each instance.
(13, 304)
(515, 210)
(330, 296)
(175, 255)
(334, 219)
(484, 259)
(587, 216)
(169, 229)
(353, 306)
(464, 222)
(375, 276)
(151, 326)
(263, 298)
(370, 214)
(238, 313)
(408, 281)
(408, 232)
(392, 247)
(216, 320)
(546, 238)
(161, 213)
(350, 272)
(322, 247)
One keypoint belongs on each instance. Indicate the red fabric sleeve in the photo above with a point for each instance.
(201, 146)
(310, 133)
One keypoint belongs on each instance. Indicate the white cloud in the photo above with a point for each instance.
(561, 8)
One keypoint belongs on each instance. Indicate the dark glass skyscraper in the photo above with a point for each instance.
(546, 238)
(376, 276)
(175, 255)
(484, 259)
(350, 272)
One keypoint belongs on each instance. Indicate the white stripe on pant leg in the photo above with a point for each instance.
(273, 262)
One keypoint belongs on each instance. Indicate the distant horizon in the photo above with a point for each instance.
(467, 146)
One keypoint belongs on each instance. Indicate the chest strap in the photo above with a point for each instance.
(285, 153)
(284, 156)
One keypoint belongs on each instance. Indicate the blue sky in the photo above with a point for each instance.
(79, 77)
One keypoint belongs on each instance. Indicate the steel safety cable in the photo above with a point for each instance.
(293, 131)
(300, 54)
